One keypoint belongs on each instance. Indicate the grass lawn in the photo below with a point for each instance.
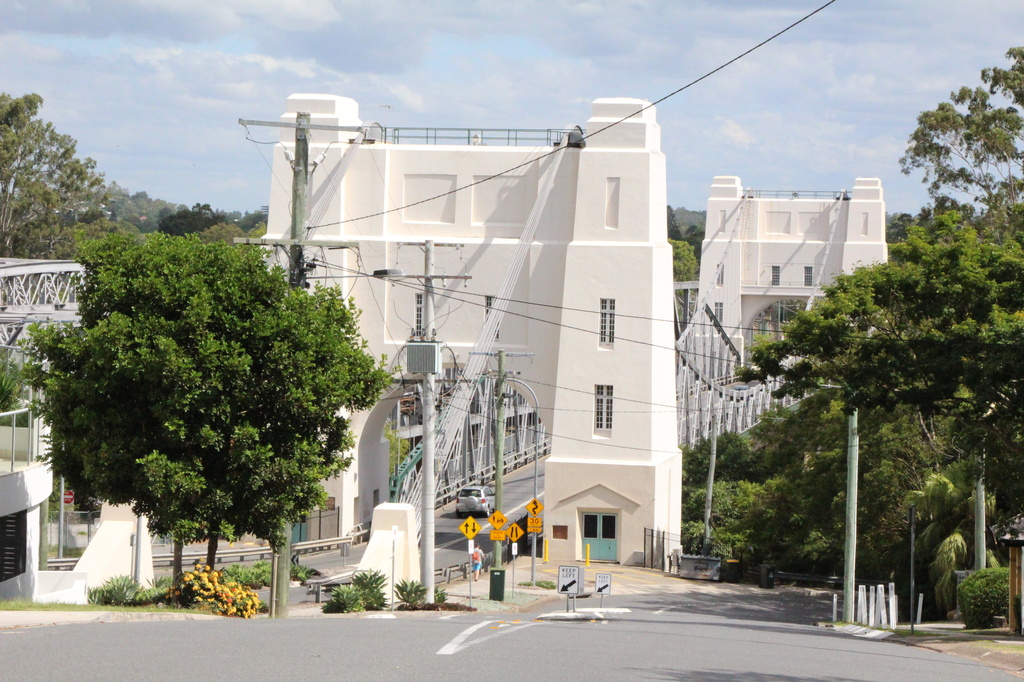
(27, 605)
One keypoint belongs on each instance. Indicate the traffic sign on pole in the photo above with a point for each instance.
(497, 520)
(603, 583)
(470, 528)
(534, 524)
(499, 535)
(69, 497)
(515, 532)
(569, 579)
(534, 507)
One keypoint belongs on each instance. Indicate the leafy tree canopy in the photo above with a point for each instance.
(199, 218)
(199, 388)
(43, 185)
(973, 147)
(938, 328)
(684, 263)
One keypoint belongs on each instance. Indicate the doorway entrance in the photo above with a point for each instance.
(599, 531)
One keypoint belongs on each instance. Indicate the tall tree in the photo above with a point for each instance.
(939, 328)
(42, 183)
(199, 388)
(973, 146)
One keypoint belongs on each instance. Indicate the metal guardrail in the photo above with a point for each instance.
(226, 556)
(834, 195)
(507, 137)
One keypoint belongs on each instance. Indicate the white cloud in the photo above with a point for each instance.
(153, 88)
(735, 133)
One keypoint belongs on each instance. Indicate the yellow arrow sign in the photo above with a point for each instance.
(534, 506)
(497, 520)
(515, 532)
(470, 527)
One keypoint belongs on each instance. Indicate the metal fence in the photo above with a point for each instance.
(79, 527)
(658, 546)
(320, 524)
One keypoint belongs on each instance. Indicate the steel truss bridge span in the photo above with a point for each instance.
(36, 291)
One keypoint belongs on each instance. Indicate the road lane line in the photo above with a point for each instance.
(453, 646)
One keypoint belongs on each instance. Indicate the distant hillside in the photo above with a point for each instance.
(686, 218)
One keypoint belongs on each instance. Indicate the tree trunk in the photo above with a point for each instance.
(211, 551)
(176, 565)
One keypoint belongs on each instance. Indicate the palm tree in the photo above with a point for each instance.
(945, 505)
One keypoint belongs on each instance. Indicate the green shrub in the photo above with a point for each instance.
(440, 595)
(302, 573)
(410, 592)
(254, 576)
(121, 590)
(371, 586)
(156, 593)
(344, 599)
(983, 596)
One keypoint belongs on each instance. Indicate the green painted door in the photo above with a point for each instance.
(599, 531)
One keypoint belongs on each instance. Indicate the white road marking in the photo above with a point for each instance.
(661, 611)
(453, 646)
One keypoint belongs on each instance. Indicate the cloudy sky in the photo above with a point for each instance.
(153, 89)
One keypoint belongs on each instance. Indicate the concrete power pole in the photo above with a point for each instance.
(296, 278)
(850, 553)
(427, 466)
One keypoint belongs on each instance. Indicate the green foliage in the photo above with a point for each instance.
(344, 599)
(199, 388)
(971, 147)
(371, 589)
(137, 209)
(43, 185)
(256, 575)
(937, 328)
(301, 573)
(410, 592)
(546, 584)
(737, 468)
(440, 595)
(185, 221)
(983, 596)
(945, 508)
(121, 590)
(684, 263)
(398, 447)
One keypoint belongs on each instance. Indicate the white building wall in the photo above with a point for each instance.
(750, 232)
(25, 489)
(601, 235)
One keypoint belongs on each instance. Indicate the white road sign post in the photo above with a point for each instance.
(570, 578)
(603, 585)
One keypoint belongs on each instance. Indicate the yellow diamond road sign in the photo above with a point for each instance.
(499, 535)
(534, 506)
(515, 532)
(497, 520)
(470, 527)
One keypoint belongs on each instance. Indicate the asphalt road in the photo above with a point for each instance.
(717, 635)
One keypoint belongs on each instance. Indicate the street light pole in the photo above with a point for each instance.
(536, 456)
(499, 449)
(850, 553)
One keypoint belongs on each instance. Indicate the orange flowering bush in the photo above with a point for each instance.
(203, 588)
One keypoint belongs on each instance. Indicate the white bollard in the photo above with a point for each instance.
(835, 607)
(920, 604)
(880, 605)
(872, 605)
(862, 605)
(893, 613)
